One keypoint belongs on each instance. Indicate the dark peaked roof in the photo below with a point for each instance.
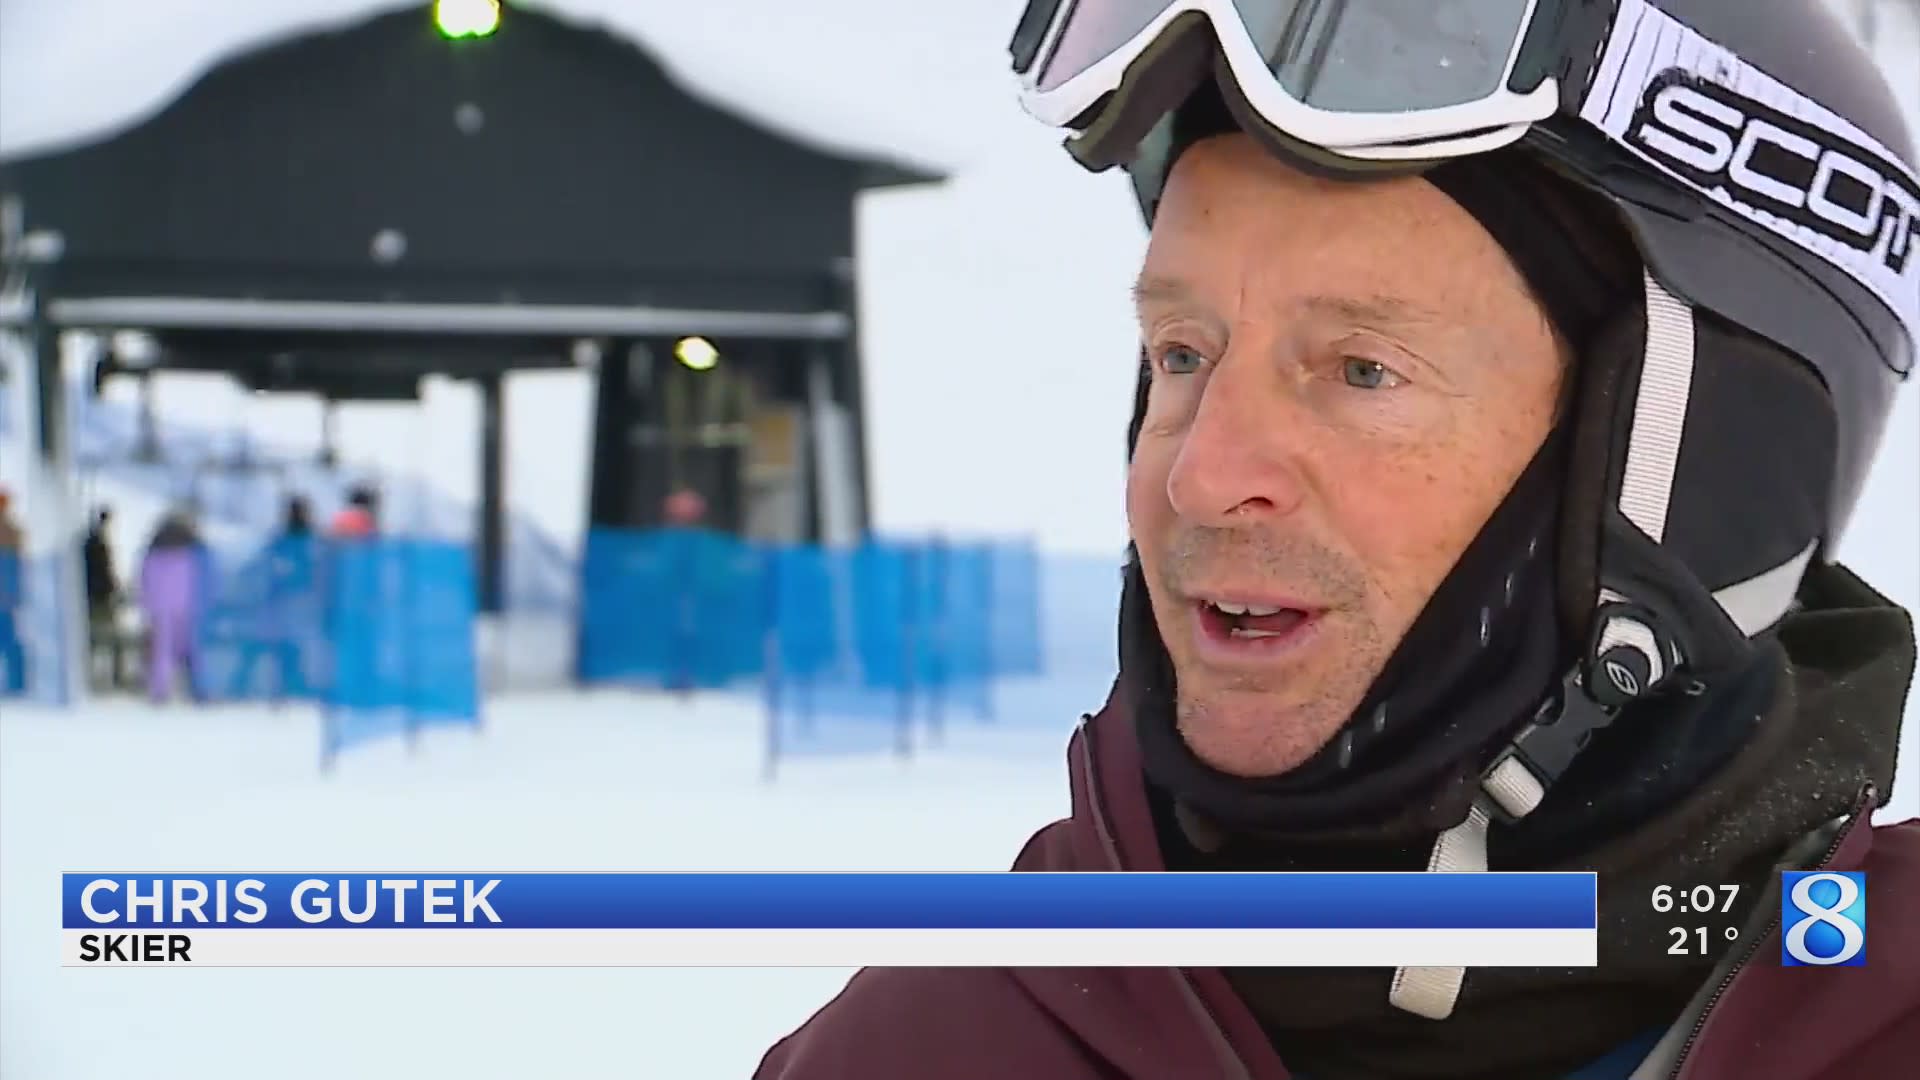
(549, 163)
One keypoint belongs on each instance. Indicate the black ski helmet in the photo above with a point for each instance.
(1725, 428)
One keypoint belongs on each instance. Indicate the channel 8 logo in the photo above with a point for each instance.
(1823, 919)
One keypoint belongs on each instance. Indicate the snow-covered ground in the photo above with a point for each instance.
(608, 781)
(567, 782)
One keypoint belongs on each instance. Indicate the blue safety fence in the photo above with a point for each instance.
(35, 637)
(265, 634)
(378, 632)
(672, 608)
(400, 630)
(1014, 606)
(13, 646)
(851, 667)
(873, 646)
(1058, 665)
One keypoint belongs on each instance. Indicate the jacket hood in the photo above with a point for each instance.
(174, 533)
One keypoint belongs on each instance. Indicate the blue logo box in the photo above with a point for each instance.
(1823, 918)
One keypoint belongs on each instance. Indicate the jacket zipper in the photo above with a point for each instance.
(1863, 806)
(1223, 1046)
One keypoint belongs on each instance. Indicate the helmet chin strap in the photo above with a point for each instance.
(1631, 650)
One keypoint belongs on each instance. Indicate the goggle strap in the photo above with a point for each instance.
(1154, 83)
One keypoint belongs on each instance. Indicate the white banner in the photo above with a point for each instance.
(829, 948)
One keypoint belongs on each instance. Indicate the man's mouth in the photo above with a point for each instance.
(1254, 620)
(1255, 627)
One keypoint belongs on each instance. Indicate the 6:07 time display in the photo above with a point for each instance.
(1704, 899)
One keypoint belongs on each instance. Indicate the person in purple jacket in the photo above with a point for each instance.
(175, 577)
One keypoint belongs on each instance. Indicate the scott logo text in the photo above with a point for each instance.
(1766, 160)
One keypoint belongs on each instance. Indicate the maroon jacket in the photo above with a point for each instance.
(1768, 1022)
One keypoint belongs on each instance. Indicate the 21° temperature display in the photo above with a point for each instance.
(1705, 914)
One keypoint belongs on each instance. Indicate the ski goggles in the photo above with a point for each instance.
(1364, 84)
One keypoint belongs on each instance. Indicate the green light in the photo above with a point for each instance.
(466, 18)
(697, 353)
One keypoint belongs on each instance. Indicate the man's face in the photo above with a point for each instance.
(1347, 379)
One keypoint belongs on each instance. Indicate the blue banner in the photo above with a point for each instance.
(805, 901)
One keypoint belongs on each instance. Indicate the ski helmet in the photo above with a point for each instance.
(1724, 428)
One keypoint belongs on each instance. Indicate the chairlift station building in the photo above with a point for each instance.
(347, 212)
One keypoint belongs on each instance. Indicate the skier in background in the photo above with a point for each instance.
(175, 580)
(13, 555)
(684, 511)
(294, 597)
(360, 518)
(1492, 440)
(298, 519)
(12, 538)
(286, 629)
(103, 599)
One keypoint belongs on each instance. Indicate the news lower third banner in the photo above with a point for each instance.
(829, 920)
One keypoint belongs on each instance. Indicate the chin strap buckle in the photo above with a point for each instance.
(1518, 779)
(1626, 660)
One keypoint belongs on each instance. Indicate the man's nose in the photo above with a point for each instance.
(1240, 456)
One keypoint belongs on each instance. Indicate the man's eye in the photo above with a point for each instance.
(1180, 360)
(1363, 374)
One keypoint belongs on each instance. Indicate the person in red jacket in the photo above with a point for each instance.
(684, 509)
(359, 519)
(1509, 374)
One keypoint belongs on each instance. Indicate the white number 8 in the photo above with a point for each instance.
(1852, 937)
